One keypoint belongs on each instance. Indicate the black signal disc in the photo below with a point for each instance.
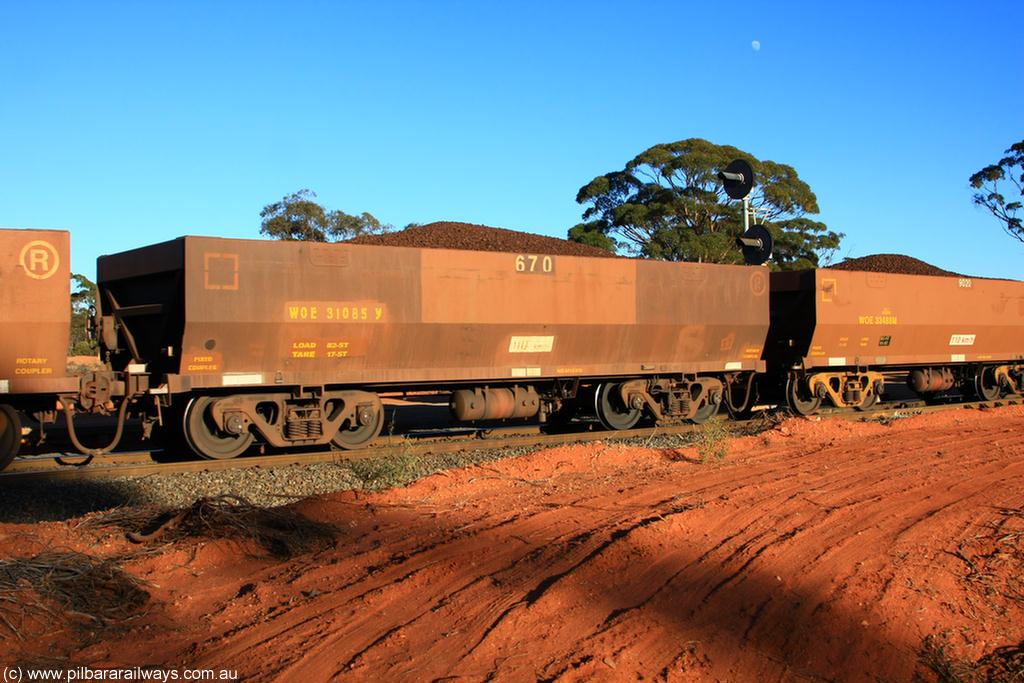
(756, 254)
(738, 189)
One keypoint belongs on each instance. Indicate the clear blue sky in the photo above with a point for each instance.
(135, 122)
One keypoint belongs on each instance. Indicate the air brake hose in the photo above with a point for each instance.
(92, 452)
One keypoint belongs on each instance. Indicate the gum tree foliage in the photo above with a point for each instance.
(298, 217)
(1004, 207)
(83, 300)
(668, 203)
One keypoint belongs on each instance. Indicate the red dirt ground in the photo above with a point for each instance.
(821, 550)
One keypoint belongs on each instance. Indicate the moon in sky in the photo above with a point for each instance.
(756, 44)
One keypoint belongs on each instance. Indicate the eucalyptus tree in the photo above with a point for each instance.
(668, 203)
(298, 217)
(1004, 203)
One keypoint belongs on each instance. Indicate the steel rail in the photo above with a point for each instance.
(434, 443)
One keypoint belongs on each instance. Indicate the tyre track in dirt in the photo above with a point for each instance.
(552, 548)
(817, 551)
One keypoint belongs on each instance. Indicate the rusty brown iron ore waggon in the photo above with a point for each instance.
(35, 284)
(292, 342)
(837, 335)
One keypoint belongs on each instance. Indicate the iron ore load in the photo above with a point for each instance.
(292, 342)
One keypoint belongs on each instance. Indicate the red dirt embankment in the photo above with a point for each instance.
(818, 551)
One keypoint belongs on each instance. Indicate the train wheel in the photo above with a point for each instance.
(705, 413)
(986, 386)
(10, 435)
(369, 421)
(610, 410)
(205, 438)
(868, 402)
(802, 401)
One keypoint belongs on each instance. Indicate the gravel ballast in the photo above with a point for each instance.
(43, 501)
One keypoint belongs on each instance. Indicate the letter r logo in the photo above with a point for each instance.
(39, 259)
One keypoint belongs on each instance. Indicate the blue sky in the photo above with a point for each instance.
(129, 123)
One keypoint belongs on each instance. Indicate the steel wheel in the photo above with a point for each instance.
(610, 410)
(10, 435)
(986, 387)
(868, 402)
(205, 438)
(705, 413)
(802, 401)
(369, 421)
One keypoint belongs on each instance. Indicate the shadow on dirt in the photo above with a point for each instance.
(30, 502)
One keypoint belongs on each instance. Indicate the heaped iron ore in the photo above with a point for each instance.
(892, 263)
(455, 235)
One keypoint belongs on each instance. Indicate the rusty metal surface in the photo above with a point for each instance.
(260, 312)
(35, 285)
(140, 301)
(849, 318)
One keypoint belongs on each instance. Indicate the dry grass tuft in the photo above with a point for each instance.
(712, 441)
(1002, 665)
(994, 557)
(51, 587)
(395, 467)
(278, 533)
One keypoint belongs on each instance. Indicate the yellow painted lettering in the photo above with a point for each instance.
(38, 257)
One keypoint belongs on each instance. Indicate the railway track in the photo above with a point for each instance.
(421, 443)
(142, 463)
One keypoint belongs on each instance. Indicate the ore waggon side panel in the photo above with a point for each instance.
(853, 318)
(296, 313)
(35, 284)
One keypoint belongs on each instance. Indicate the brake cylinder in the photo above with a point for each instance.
(494, 404)
(924, 380)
